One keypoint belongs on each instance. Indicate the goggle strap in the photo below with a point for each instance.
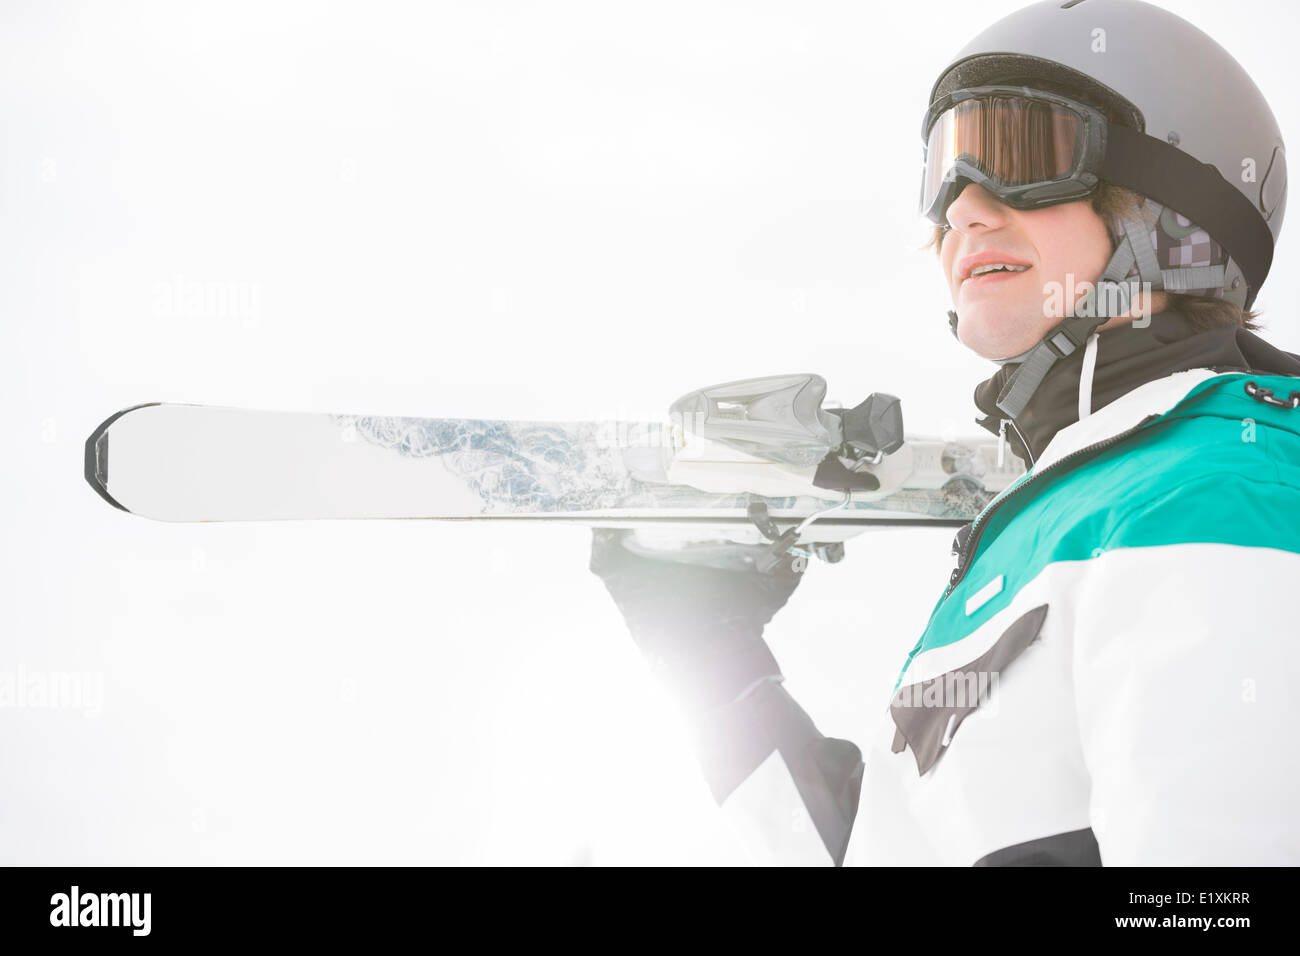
(1154, 168)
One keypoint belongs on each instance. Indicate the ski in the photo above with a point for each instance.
(740, 455)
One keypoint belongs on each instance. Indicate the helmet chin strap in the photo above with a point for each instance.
(1110, 295)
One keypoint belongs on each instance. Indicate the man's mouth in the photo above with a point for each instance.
(994, 272)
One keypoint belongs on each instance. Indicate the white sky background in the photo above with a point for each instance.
(549, 210)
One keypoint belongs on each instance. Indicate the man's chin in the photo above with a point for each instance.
(995, 337)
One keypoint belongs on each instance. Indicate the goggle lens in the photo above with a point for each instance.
(1012, 141)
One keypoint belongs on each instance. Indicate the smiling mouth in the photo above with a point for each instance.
(987, 278)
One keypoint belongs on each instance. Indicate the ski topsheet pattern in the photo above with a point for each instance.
(174, 462)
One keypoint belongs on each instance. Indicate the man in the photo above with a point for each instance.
(1108, 677)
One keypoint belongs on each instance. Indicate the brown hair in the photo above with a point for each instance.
(1203, 311)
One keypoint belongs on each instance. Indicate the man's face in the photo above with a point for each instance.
(1005, 313)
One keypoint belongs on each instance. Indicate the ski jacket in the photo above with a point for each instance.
(1112, 675)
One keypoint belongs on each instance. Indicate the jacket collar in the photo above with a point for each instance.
(1112, 366)
(1153, 398)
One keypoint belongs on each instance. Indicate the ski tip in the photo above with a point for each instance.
(96, 463)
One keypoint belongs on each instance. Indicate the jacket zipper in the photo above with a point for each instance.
(965, 547)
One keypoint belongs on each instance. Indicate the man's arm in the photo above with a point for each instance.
(790, 791)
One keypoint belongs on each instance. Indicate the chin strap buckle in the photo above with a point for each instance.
(1071, 333)
(1062, 340)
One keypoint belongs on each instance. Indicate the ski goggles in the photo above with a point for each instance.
(1029, 148)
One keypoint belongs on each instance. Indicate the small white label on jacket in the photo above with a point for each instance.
(984, 595)
(947, 731)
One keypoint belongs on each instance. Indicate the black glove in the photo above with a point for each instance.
(701, 627)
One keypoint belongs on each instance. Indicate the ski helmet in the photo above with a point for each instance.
(1060, 96)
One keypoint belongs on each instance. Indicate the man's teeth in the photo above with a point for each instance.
(995, 267)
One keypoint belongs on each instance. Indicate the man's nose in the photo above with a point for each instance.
(975, 206)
